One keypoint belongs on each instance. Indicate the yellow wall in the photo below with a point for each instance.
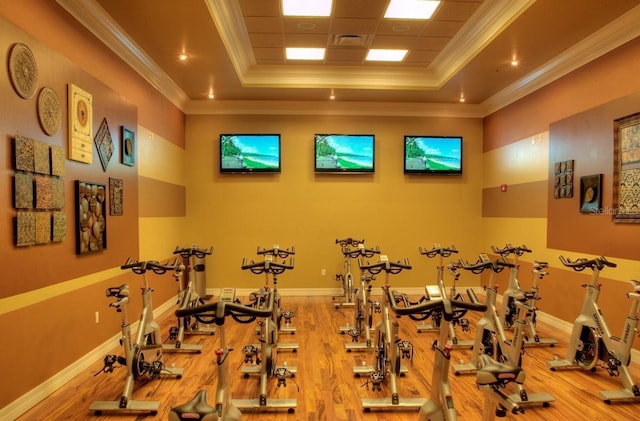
(236, 213)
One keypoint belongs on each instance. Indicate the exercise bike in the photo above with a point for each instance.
(188, 297)
(490, 336)
(260, 359)
(389, 348)
(364, 307)
(492, 378)
(440, 406)
(435, 292)
(508, 315)
(346, 278)
(224, 410)
(142, 356)
(591, 339)
(284, 317)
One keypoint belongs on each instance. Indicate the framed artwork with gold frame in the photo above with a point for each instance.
(80, 124)
(626, 169)
(128, 146)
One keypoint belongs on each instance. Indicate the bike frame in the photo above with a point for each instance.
(591, 322)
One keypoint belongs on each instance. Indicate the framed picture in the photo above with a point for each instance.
(80, 124)
(91, 218)
(104, 144)
(626, 169)
(591, 193)
(128, 146)
(115, 196)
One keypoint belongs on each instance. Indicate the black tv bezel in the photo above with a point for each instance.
(428, 171)
(250, 170)
(344, 170)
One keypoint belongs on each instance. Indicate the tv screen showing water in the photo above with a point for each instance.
(250, 153)
(344, 153)
(433, 155)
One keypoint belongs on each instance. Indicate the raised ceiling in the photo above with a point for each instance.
(235, 49)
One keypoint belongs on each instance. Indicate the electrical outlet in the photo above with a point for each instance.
(323, 272)
(97, 317)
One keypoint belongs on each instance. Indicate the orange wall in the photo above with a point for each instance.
(49, 296)
(575, 116)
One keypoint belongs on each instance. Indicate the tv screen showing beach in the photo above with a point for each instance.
(250, 153)
(344, 153)
(436, 155)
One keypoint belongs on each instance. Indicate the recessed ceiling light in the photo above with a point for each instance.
(306, 7)
(305, 53)
(514, 62)
(386, 55)
(411, 9)
(211, 95)
(183, 57)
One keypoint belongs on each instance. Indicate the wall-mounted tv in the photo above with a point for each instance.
(249, 153)
(344, 153)
(433, 155)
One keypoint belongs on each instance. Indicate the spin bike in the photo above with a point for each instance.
(591, 340)
(389, 348)
(188, 297)
(440, 405)
(261, 359)
(434, 292)
(490, 336)
(225, 410)
(364, 307)
(142, 356)
(508, 315)
(346, 278)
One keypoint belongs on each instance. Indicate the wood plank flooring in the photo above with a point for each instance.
(325, 387)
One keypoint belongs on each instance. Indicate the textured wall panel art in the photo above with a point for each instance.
(23, 191)
(59, 229)
(43, 227)
(25, 228)
(24, 153)
(41, 158)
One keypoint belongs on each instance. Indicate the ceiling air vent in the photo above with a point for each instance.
(350, 40)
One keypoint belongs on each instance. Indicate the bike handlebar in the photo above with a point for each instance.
(438, 250)
(221, 309)
(484, 263)
(349, 242)
(384, 265)
(509, 249)
(360, 251)
(445, 305)
(268, 266)
(192, 251)
(141, 267)
(582, 263)
(276, 251)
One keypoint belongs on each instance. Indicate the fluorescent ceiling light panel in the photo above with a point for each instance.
(306, 7)
(305, 53)
(386, 55)
(411, 9)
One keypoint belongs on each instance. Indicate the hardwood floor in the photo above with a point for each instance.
(325, 387)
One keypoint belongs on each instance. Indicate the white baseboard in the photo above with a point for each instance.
(40, 392)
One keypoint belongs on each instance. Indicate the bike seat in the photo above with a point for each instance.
(196, 409)
(492, 372)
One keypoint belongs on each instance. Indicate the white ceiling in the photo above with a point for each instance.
(236, 51)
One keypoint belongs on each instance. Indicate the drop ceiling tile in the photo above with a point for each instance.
(401, 27)
(305, 25)
(305, 40)
(442, 28)
(353, 26)
(456, 11)
(266, 40)
(359, 8)
(268, 53)
(263, 25)
(394, 42)
(260, 8)
(430, 43)
(353, 54)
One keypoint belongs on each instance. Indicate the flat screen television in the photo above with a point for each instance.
(250, 153)
(344, 153)
(433, 155)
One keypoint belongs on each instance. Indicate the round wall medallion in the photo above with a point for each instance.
(23, 70)
(49, 112)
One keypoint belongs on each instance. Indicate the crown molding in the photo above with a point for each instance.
(485, 25)
(388, 109)
(90, 14)
(601, 42)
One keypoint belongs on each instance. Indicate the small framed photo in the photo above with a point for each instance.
(128, 146)
(591, 193)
